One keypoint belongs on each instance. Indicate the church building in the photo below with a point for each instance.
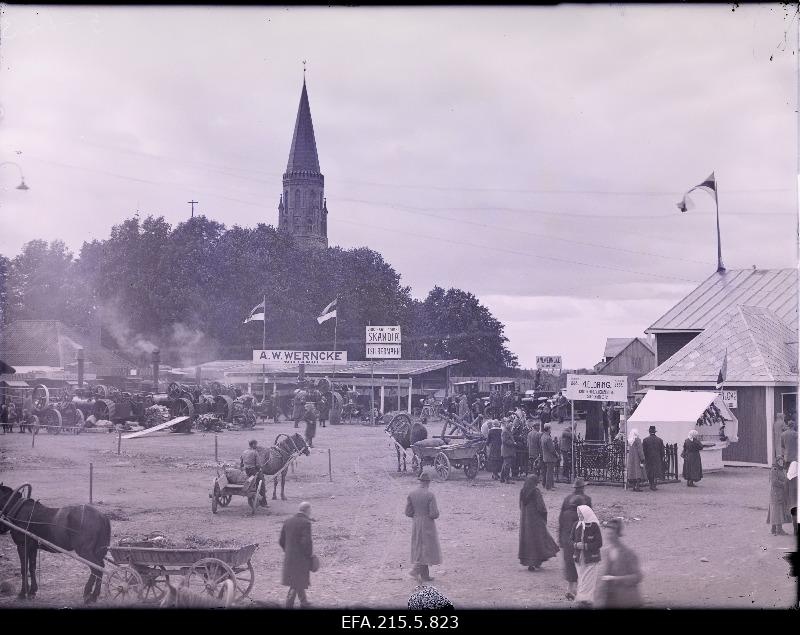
(302, 209)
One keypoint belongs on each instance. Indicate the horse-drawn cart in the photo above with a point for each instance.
(445, 456)
(142, 571)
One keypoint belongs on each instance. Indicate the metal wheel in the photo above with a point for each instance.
(124, 586)
(155, 583)
(416, 466)
(100, 391)
(471, 468)
(207, 575)
(442, 465)
(52, 419)
(104, 409)
(41, 397)
(245, 579)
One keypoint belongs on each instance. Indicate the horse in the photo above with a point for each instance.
(79, 528)
(276, 458)
(405, 434)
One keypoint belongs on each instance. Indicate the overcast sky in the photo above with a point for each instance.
(533, 156)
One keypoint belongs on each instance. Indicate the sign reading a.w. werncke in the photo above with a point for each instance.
(300, 357)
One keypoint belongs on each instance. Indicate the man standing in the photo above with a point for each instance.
(520, 433)
(421, 507)
(534, 450)
(549, 457)
(566, 521)
(789, 453)
(653, 449)
(310, 417)
(508, 451)
(295, 540)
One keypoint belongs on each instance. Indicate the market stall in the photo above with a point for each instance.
(675, 412)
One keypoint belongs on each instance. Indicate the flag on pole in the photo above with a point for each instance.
(722, 371)
(256, 314)
(709, 185)
(327, 313)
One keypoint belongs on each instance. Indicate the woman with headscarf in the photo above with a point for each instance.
(635, 464)
(535, 543)
(586, 541)
(619, 585)
(692, 464)
(778, 511)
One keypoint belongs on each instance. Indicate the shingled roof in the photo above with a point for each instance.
(773, 289)
(762, 349)
(303, 153)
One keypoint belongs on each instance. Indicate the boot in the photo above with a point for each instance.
(772, 530)
(290, 596)
(779, 531)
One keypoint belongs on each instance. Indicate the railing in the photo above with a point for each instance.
(599, 462)
(671, 474)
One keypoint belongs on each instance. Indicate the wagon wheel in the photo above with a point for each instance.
(207, 575)
(245, 579)
(52, 419)
(416, 466)
(471, 468)
(124, 586)
(225, 500)
(41, 397)
(155, 583)
(442, 465)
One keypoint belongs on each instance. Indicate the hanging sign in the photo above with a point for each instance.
(597, 388)
(550, 363)
(300, 357)
(383, 335)
(383, 351)
(730, 397)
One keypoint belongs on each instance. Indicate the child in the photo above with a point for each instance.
(778, 511)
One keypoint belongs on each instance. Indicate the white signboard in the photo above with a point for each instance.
(550, 363)
(730, 397)
(383, 351)
(597, 388)
(300, 357)
(383, 335)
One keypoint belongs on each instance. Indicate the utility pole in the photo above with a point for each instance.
(192, 203)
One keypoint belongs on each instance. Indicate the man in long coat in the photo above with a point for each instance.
(566, 521)
(421, 507)
(508, 450)
(653, 448)
(549, 457)
(534, 449)
(297, 545)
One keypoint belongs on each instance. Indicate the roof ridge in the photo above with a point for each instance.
(749, 328)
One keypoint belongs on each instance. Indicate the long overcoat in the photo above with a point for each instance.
(778, 511)
(653, 456)
(623, 591)
(508, 449)
(635, 459)
(421, 507)
(692, 464)
(535, 543)
(549, 454)
(297, 546)
(534, 449)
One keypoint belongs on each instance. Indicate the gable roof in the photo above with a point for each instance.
(773, 289)
(602, 366)
(303, 153)
(761, 349)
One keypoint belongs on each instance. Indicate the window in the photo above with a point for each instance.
(297, 200)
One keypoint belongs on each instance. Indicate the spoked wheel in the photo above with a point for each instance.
(155, 584)
(245, 579)
(52, 420)
(442, 465)
(471, 468)
(124, 586)
(225, 500)
(416, 465)
(207, 575)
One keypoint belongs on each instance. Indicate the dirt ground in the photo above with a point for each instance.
(704, 547)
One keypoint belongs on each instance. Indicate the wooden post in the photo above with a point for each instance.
(119, 442)
(91, 481)
(330, 472)
(33, 436)
(573, 471)
(216, 448)
(625, 453)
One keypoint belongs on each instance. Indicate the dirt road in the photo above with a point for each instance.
(161, 483)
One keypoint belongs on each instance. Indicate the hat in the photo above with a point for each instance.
(579, 483)
(425, 476)
(651, 429)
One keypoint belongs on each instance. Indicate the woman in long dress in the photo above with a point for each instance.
(692, 463)
(494, 443)
(586, 540)
(634, 469)
(778, 511)
(535, 543)
(619, 585)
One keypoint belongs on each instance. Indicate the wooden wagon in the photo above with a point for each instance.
(142, 571)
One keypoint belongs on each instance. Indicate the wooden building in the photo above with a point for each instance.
(633, 359)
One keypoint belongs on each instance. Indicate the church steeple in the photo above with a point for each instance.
(302, 210)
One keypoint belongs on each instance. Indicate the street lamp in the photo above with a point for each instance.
(22, 185)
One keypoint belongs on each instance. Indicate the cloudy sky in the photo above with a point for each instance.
(533, 156)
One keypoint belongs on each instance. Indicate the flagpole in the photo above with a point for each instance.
(264, 346)
(335, 328)
(720, 266)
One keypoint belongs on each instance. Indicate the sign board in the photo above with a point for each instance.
(383, 335)
(383, 351)
(550, 363)
(311, 358)
(597, 388)
(730, 397)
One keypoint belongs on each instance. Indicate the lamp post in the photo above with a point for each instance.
(22, 185)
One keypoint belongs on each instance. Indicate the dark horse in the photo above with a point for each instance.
(405, 434)
(79, 528)
(275, 459)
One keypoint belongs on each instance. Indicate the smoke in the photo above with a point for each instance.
(190, 346)
(113, 320)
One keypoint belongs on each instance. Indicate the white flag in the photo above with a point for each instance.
(327, 313)
(257, 314)
(709, 185)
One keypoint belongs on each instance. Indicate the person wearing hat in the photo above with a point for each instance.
(653, 449)
(298, 549)
(566, 521)
(619, 583)
(422, 509)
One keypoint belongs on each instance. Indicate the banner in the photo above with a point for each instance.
(549, 363)
(597, 388)
(383, 351)
(383, 335)
(300, 357)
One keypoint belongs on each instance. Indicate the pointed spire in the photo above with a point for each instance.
(303, 154)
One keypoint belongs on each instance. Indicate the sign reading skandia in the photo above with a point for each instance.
(300, 357)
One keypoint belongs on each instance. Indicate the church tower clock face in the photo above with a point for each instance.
(302, 209)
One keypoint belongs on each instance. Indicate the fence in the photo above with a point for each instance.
(599, 462)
